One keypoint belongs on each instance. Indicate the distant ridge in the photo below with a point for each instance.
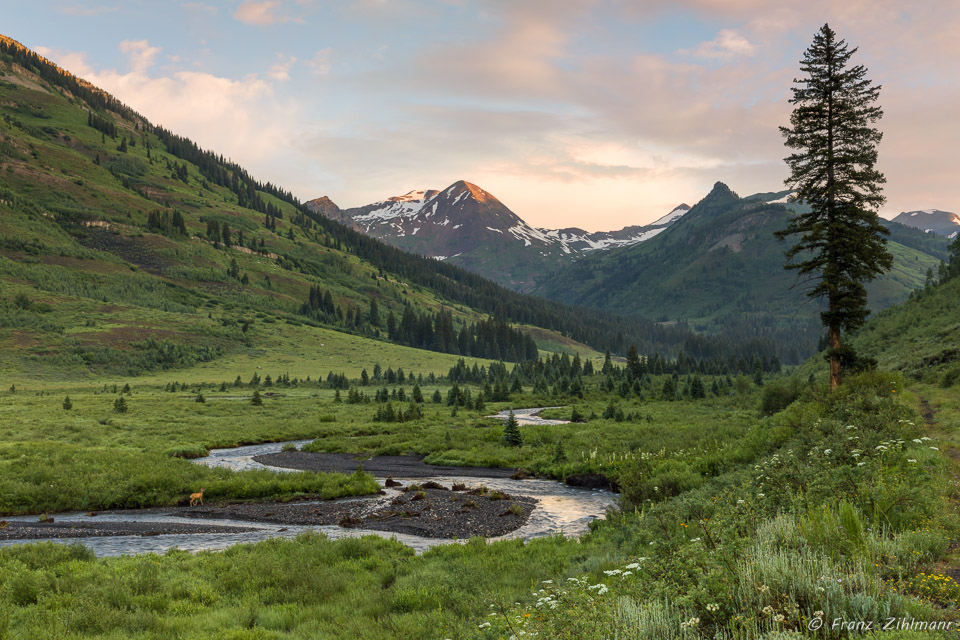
(466, 225)
(942, 223)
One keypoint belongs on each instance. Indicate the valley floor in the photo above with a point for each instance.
(731, 524)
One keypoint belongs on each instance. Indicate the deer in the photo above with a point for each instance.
(196, 498)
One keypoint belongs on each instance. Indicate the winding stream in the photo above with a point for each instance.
(528, 416)
(560, 509)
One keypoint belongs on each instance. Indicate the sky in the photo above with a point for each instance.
(589, 113)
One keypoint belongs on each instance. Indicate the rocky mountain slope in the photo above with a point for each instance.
(468, 226)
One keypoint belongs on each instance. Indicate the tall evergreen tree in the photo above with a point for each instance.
(842, 243)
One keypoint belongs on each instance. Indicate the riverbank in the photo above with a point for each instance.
(408, 466)
(431, 510)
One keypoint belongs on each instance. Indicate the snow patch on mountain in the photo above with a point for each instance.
(671, 217)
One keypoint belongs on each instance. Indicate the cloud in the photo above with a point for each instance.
(140, 54)
(568, 110)
(281, 70)
(86, 11)
(259, 14)
(320, 63)
(726, 45)
(243, 119)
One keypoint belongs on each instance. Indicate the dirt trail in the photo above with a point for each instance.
(929, 414)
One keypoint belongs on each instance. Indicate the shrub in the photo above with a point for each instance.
(778, 395)
(950, 377)
(120, 405)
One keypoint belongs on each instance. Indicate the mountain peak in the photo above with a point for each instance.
(462, 186)
(936, 221)
(323, 202)
(721, 189)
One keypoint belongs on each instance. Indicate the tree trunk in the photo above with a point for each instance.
(835, 368)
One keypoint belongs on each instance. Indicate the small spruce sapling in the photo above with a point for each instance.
(511, 433)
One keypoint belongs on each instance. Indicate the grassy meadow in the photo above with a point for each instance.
(732, 524)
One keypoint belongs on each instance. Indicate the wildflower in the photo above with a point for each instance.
(860, 464)
(935, 449)
(910, 460)
(713, 607)
(827, 451)
(918, 440)
(548, 582)
(692, 622)
(818, 614)
(763, 588)
(694, 539)
(484, 625)
(761, 495)
(739, 501)
(779, 617)
(613, 572)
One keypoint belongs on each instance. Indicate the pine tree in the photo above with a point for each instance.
(952, 269)
(842, 243)
(120, 405)
(67, 404)
(256, 400)
(511, 432)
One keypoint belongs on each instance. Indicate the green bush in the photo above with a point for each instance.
(778, 395)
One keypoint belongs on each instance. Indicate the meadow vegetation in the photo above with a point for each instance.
(731, 523)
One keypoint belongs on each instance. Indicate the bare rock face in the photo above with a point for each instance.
(329, 209)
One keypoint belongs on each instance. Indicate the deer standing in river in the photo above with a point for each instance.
(196, 498)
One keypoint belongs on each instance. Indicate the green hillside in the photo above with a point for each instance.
(719, 269)
(921, 338)
(126, 249)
